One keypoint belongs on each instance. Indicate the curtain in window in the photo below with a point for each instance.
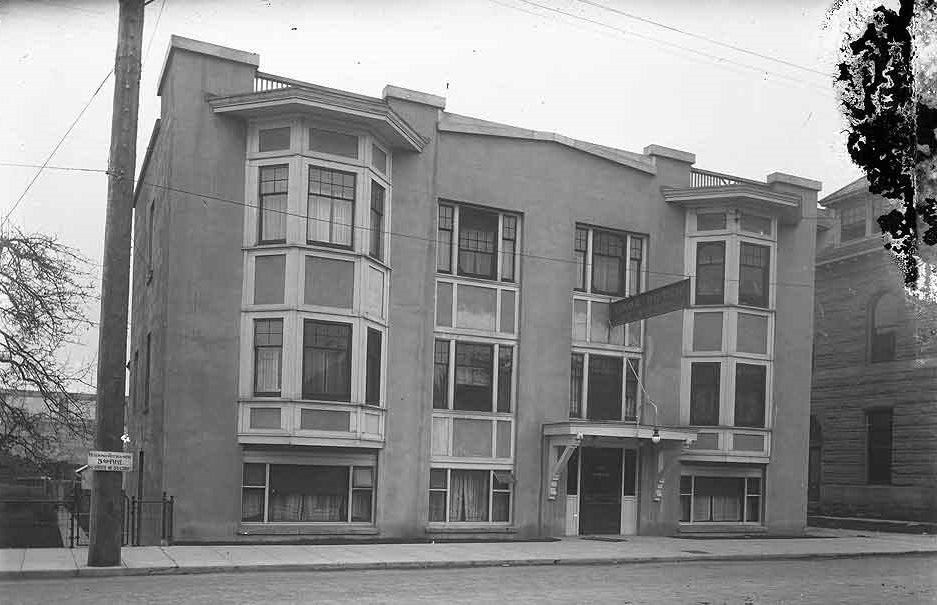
(273, 220)
(320, 216)
(718, 499)
(608, 251)
(252, 504)
(478, 232)
(341, 222)
(326, 360)
(468, 496)
(473, 376)
(268, 370)
(308, 493)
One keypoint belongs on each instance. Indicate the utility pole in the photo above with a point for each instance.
(106, 504)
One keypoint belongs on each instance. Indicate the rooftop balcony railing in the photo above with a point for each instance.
(264, 82)
(705, 178)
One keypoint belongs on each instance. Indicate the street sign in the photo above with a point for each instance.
(110, 461)
(671, 297)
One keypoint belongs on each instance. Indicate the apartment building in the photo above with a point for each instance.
(369, 318)
(873, 423)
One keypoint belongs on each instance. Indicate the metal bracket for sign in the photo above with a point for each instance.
(557, 467)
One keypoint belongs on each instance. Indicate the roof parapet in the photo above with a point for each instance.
(673, 154)
(796, 181)
(414, 96)
(204, 48)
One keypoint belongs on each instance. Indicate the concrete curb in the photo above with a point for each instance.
(99, 572)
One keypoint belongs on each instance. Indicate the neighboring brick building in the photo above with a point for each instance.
(874, 404)
(369, 317)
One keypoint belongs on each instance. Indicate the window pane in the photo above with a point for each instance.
(718, 499)
(308, 493)
(441, 375)
(373, 379)
(478, 231)
(437, 478)
(269, 279)
(377, 221)
(476, 308)
(575, 386)
(272, 201)
(361, 506)
(444, 239)
(634, 266)
(325, 420)
(335, 143)
(503, 440)
(631, 473)
(379, 158)
(272, 139)
(754, 268)
(608, 263)
(507, 311)
(471, 438)
(750, 395)
(704, 394)
(710, 273)
(468, 495)
(756, 224)
(501, 507)
(605, 384)
(330, 206)
(255, 475)
(508, 247)
(326, 361)
(601, 331)
(473, 377)
(711, 221)
(579, 320)
(707, 331)
(580, 248)
(268, 355)
(885, 319)
(374, 295)
(505, 377)
(444, 304)
(252, 505)
(632, 373)
(752, 333)
(329, 282)
(852, 222)
(265, 418)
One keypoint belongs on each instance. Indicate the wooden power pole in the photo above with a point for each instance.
(106, 505)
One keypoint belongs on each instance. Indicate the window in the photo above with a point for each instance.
(754, 267)
(478, 232)
(469, 496)
(331, 207)
(274, 181)
(151, 226)
(704, 393)
(268, 357)
(444, 239)
(608, 263)
(711, 221)
(710, 273)
(475, 387)
(581, 248)
(707, 331)
(884, 324)
(753, 223)
(608, 386)
(634, 266)
(146, 373)
(372, 390)
(378, 158)
(274, 139)
(878, 441)
(377, 221)
(720, 499)
(852, 222)
(329, 282)
(293, 493)
(750, 395)
(326, 360)
(484, 237)
(269, 279)
(335, 143)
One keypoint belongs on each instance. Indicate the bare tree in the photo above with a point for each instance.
(44, 287)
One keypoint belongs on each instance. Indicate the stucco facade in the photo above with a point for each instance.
(874, 418)
(370, 318)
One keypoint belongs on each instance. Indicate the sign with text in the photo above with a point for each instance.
(671, 297)
(110, 461)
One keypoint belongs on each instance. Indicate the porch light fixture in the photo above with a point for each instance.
(655, 436)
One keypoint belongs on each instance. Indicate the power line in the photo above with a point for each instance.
(47, 167)
(56, 148)
(718, 59)
(704, 38)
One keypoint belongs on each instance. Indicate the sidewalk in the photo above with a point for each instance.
(153, 560)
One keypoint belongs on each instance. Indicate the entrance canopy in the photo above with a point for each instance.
(573, 432)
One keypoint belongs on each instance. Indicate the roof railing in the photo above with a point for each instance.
(705, 178)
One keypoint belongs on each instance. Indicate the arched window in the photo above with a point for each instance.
(884, 317)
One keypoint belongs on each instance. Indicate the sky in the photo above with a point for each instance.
(594, 70)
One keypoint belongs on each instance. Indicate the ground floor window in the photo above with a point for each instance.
(294, 493)
(720, 499)
(469, 496)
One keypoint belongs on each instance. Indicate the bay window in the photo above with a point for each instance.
(268, 357)
(326, 360)
(294, 493)
(469, 496)
(377, 221)
(472, 382)
(272, 204)
(330, 207)
(372, 389)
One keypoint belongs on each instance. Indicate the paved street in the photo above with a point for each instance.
(902, 580)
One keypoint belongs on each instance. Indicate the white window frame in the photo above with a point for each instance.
(495, 377)
(500, 288)
(642, 278)
(454, 245)
(624, 356)
(743, 474)
(491, 492)
(726, 390)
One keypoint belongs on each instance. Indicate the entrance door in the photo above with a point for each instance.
(600, 492)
